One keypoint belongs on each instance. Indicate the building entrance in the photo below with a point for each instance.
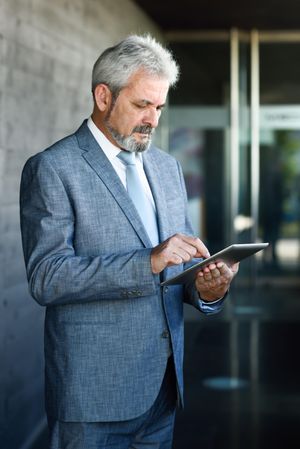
(234, 124)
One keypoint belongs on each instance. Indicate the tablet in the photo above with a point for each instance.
(230, 255)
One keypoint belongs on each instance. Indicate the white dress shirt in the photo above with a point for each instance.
(111, 152)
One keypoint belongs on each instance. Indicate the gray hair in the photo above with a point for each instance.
(116, 64)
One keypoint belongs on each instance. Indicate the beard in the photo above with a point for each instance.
(130, 143)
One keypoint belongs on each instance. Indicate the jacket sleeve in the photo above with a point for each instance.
(56, 275)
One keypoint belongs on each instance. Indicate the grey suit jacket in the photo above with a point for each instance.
(87, 256)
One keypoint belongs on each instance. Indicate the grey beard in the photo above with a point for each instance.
(128, 142)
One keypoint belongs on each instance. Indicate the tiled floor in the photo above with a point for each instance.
(242, 374)
(251, 356)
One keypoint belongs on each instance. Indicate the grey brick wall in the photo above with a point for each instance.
(47, 49)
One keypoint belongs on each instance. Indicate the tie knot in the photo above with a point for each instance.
(127, 157)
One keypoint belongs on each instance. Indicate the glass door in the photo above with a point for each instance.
(278, 205)
(234, 124)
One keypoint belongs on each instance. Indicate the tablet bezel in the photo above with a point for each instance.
(230, 255)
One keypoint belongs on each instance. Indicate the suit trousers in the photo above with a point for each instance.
(153, 429)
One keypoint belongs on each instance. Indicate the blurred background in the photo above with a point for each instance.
(234, 124)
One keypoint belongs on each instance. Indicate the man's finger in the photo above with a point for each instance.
(202, 251)
(184, 254)
(215, 273)
(181, 245)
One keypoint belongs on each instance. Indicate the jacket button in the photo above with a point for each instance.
(165, 334)
(166, 289)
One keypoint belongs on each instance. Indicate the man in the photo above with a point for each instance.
(100, 233)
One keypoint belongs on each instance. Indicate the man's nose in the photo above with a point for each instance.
(152, 118)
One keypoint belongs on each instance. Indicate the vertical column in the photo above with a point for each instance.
(254, 132)
(254, 376)
(234, 130)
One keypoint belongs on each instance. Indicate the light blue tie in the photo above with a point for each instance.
(139, 198)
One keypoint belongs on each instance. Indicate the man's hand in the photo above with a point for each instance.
(175, 250)
(213, 281)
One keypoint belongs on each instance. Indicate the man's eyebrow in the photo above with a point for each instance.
(145, 102)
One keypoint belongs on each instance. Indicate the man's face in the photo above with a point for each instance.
(135, 114)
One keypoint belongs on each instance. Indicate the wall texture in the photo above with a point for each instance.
(47, 49)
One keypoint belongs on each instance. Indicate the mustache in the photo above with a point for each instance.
(143, 129)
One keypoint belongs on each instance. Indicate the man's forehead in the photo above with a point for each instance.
(145, 87)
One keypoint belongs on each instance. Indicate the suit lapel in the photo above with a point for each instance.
(96, 158)
(153, 173)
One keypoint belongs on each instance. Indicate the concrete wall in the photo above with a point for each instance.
(47, 49)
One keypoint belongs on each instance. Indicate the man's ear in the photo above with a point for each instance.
(102, 96)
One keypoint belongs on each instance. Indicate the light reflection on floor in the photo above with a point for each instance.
(242, 375)
(225, 383)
